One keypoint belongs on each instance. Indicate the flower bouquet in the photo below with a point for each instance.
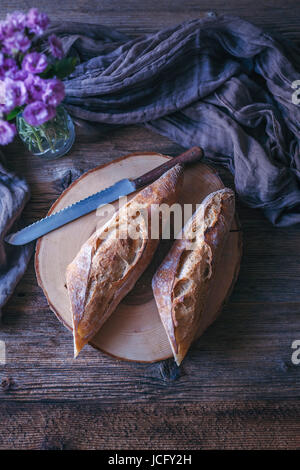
(31, 90)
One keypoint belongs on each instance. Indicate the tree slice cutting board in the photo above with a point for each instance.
(134, 331)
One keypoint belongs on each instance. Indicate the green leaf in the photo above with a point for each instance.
(48, 73)
(60, 68)
(14, 113)
(64, 67)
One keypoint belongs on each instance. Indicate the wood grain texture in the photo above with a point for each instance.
(238, 388)
(234, 425)
(137, 17)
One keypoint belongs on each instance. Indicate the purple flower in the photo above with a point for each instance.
(34, 62)
(9, 68)
(37, 113)
(20, 75)
(15, 43)
(56, 46)
(12, 33)
(2, 97)
(37, 22)
(13, 23)
(15, 94)
(16, 21)
(36, 86)
(54, 92)
(7, 132)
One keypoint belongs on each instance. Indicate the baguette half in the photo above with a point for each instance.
(110, 262)
(184, 279)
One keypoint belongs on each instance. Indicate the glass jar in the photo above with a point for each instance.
(51, 140)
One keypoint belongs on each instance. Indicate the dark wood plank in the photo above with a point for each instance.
(245, 355)
(223, 425)
(136, 17)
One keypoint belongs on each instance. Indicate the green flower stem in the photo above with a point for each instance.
(48, 137)
(38, 139)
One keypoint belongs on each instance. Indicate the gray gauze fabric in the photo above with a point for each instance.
(13, 260)
(219, 82)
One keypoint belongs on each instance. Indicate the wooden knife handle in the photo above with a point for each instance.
(192, 155)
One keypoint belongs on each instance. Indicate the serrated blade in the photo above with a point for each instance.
(70, 213)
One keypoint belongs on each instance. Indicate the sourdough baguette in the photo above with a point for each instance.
(183, 280)
(114, 257)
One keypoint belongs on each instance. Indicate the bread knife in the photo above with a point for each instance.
(93, 202)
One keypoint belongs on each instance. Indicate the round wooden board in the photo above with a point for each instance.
(134, 332)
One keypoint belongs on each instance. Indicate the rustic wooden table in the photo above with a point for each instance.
(238, 387)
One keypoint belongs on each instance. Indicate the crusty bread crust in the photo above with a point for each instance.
(183, 280)
(114, 257)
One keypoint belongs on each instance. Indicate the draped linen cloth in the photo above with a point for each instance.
(14, 194)
(218, 82)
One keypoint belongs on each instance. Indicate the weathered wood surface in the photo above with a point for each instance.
(237, 388)
(222, 425)
(137, 17)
